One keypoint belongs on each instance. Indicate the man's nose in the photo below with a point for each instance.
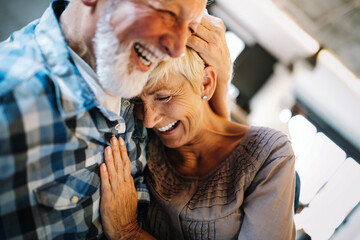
(174, 42)
(151, 116)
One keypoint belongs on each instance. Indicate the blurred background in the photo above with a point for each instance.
(296, 69)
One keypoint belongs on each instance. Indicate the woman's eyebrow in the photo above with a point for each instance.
(164, 87)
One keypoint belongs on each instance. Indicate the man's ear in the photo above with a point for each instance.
(89, 3)
(209, 82)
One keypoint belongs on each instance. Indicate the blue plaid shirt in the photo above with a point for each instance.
(52, 136)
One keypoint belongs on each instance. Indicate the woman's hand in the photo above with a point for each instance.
(118, 194)
(209, 41)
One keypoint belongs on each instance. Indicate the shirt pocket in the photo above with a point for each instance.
(71, 190)
(73, 198)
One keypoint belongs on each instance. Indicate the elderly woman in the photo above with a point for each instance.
(209, 178)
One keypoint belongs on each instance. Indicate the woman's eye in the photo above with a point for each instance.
(165, 99)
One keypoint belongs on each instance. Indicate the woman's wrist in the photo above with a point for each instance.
(131, 232)
(135, 232)
(219, 101)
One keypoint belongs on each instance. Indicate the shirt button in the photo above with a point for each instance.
(126, 103)
(74, 199)
(117, 127)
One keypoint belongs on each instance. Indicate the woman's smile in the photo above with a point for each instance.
(168, 127)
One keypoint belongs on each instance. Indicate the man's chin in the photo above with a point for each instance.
(126, 86)
(119, 76)
(128, 94)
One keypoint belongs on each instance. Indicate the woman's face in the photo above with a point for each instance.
(172, 109)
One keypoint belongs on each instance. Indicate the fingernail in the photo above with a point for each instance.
(103, 167)
(114, 141)
(108, 150)
(121, 141)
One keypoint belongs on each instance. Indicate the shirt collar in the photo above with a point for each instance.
(73, 94)
(106, 99)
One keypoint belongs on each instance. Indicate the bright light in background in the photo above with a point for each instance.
(285, 115)
(316, 165)
(233, 91)
(283, 20)
(329, 182)
(302, 133)
(235, 44)
(334, 98)
(336, 67)
(333, 203)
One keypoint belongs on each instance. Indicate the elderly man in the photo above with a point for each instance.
(64, 84)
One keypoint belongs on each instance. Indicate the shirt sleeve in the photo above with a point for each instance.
(268, 204)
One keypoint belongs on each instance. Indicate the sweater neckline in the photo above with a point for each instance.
(215, 170)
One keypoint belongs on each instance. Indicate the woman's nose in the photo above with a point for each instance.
(151, 116)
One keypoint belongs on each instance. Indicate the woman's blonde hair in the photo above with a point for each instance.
(191, 66)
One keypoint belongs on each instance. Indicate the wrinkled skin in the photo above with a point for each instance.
(209, 41)
(119, 197)
(168, 102)
(127, 47)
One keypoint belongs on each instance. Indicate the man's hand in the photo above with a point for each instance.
(209, 41)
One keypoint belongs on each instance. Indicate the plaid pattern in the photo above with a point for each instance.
(52, 136)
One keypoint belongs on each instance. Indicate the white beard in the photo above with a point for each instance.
(116, 73)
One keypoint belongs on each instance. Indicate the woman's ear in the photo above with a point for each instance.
(209, 82)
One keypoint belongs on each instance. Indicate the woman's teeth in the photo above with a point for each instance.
(167, 128)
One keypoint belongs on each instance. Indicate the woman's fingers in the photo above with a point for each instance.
(118, 162)
(210, 29)
(119, 198)
(110, 166)
(125, 160)
(212, 23)
(105, 182)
